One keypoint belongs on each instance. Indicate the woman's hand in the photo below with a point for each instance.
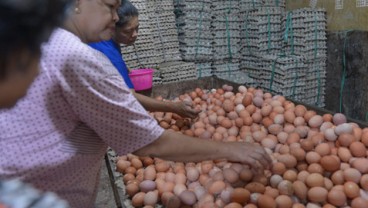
(185, 109)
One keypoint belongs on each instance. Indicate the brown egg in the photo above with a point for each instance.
(162, 166)
(358, 149)
(315, 121)
(271, 192)
(315, 168)
(317, 194)
(231, 205)
(359, 202)
(352, 174)
(290, 175)
(344, 154)
(240, 195)
(247, 100)
(289, 160)
(314, 180)
(137, 200)
(323, 149)
(289, 116)
(246, 175)
(122, 165)
(230, 175)
(307, 144)
(132, 189)
(255, 187)
(300, 110)
(127, 177)
(283, 201)
(151, 198)
(330, 163)
(336, 197)
(351, 189)
(300, 190)
(265, 201)
(345, 139)
(298, 153)
(216, 187)
(278, 168)
(312, 157)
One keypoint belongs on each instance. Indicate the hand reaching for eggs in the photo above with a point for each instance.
(250, 154)
(185, 109)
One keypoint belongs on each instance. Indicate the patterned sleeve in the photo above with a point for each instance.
(101, 99)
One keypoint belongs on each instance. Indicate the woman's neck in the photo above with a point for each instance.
(71, 26)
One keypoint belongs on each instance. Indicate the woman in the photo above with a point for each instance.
(80, 105)
(20, 42)
(126, 32)
(24, 25)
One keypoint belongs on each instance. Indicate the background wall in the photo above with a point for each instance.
(350, 17)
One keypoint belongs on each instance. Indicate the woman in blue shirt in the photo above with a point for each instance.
(126, 32)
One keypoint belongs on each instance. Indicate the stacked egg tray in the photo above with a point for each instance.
(193, 19)
(261, 31)
(239, 77)
(225, 67)
(164, 29)
(316, 81)
(204, 69)
(156, 79)
(177, 71)
(306, 29)
(247, 5)
(283, 75)
(226, 30)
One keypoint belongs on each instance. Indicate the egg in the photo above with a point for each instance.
(240, 195)
(230, 175)
(151, 198)
(283, 201)
(317, 194)
(351, 174)
(188, 197)
(265, 201)
(216, 187)
(285, 187)
(330, 163)
(358, 149)
(336, 197)
(351, 189)
(314, 179)
(300, 190)
(359, 202)
(137, 200)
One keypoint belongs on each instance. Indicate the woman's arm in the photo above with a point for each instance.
(179, 147)
(181, 108)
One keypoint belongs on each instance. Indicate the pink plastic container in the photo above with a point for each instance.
(141, 78)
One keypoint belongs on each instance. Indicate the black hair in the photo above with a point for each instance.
(26, 24)
(125, 12)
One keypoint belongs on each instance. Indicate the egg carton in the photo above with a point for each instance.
(204, 69)
(194, 6)
(248, 5)
(225, 66)
(156, 81)
(161, 5)
(193, 15)
(194, 27)
(239, 77)
(223, 34)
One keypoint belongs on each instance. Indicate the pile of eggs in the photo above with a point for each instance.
(318, 160)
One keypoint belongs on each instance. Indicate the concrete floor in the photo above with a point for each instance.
(105, 197)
